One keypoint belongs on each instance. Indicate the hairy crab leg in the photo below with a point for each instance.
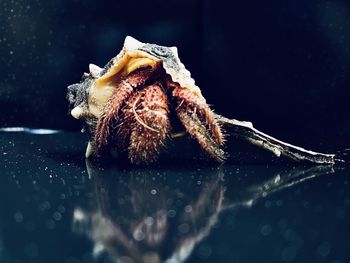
(121, 94)
(146, 124)
(198, 104)
(192, 111)
(197, 130)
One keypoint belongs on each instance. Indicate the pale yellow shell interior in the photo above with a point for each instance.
(104, 86)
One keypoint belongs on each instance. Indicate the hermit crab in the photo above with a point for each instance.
(130, 104)
(133, 103)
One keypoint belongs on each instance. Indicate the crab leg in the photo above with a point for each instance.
(198, 131)
(198, 104)
(192, 111)
(147, 114)
(110, 113)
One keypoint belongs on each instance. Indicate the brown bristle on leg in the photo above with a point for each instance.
(126, 119)
(102, 133)
(198, 131)
(110, 113)
(150, 124)
(198, 104)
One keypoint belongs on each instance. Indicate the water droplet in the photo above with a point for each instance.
(289, 254)
(149, 221)
(267, 203)
(289, 235)
(45, 206)
(57, 216)
(18, 216)
(61, 209)
(183, 228)
(153, 191)
(50, 224)
(30, 226)
(266, 230)
(139, 235)
(204, 251)
(171, 213)
(324, 249)
(31, 250)
(188, 209)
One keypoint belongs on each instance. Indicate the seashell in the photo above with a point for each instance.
(89, 98)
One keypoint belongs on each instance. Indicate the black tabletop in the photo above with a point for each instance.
(58, 207)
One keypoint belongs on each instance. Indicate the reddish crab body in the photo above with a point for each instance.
(128, 104)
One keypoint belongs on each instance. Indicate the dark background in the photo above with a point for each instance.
(284, 65)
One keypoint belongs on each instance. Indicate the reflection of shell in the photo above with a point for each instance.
(87, 98)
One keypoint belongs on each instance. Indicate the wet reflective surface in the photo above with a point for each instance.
(57, 207)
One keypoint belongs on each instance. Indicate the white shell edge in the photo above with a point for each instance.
(94, 70)
(77, 112)
(131, 43)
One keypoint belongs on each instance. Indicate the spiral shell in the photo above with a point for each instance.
(88, 98)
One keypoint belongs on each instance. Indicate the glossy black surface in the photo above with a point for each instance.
(57, 207)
